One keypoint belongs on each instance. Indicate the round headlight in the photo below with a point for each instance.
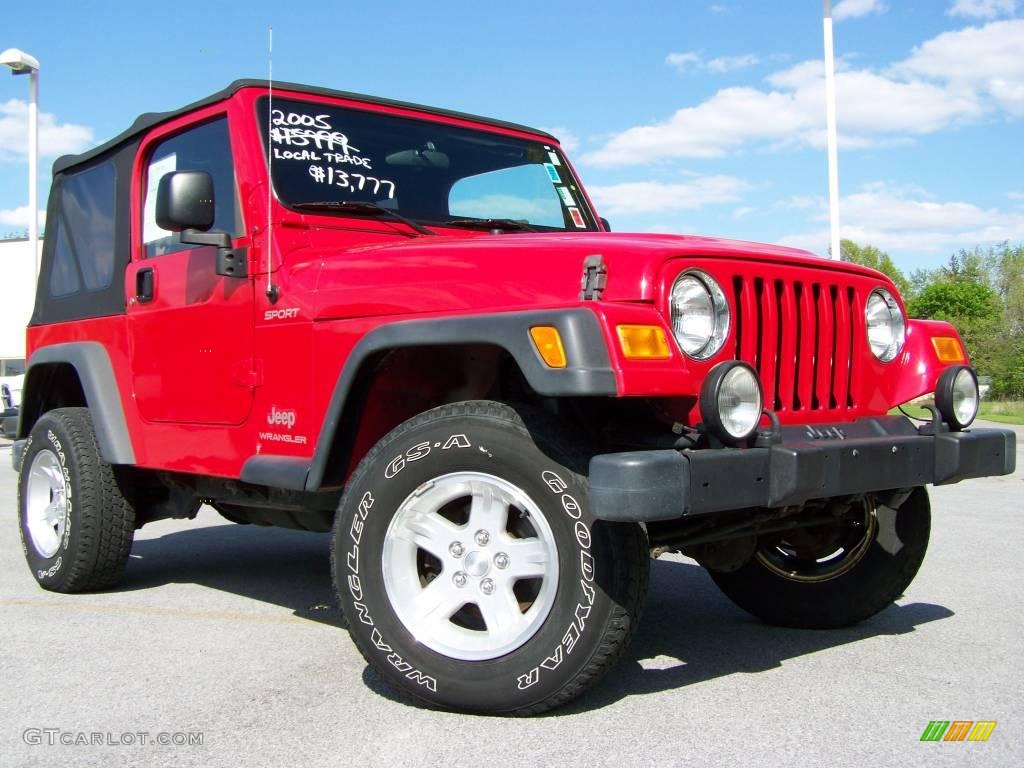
(731, 401)
(956, 396)
(886, 328)
(700, 315)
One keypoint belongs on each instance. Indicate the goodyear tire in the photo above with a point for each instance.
(76, 525)
(470, 572)
(834, 577)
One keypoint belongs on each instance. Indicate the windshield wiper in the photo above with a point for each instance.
(521, 226)
(363, 208)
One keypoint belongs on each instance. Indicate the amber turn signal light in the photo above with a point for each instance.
(548, 341)
(640, 342)
(948, 349)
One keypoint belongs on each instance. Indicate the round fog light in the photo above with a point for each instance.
(731, 402)
(956, 396)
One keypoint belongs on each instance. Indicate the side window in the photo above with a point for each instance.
(204, 148)
(522, 192)
(83, 256)
(64, 272)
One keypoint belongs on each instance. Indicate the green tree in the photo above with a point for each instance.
(981, 292)
(869, 256)
(956, 300)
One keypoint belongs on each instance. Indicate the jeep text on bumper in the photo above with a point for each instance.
(877, 454)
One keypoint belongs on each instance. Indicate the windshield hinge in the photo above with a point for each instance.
(595, 277)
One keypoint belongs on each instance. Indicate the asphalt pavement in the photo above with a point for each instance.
(230, 632)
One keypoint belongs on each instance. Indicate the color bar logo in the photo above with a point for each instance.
(958, 730)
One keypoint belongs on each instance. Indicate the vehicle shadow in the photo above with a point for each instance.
(690, 632)
(273, 565)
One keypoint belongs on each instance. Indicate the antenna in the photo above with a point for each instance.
(833, 144)
(272, 292)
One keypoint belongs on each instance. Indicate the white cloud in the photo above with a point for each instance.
(953, 78)
(537, 210)
(656, 196)
(54, 138)
(985, 61)
(743, 212)
(719, 8)
(729, 63)
(872, 108)
(692, 61)
(983, 9)
(18, 217)
(898, 219)
(804, 202)
(853, 9)
(683, 61)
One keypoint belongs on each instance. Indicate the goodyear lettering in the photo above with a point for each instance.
(574, 631)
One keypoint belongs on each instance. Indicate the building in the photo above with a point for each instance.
(18, 278)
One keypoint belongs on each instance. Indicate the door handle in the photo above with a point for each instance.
(144, 283)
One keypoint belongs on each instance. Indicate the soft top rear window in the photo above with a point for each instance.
(425, 170)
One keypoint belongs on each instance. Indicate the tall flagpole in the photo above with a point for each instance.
(833, 150)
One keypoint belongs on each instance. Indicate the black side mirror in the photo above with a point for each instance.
(605, 224)
(184, 200)
(184, 203)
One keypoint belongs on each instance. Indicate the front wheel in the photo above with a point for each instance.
(835, 575)
(470, 571)
(76, 523)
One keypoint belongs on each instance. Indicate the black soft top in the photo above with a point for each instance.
(147, 120)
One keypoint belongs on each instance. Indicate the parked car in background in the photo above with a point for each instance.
(10, 397)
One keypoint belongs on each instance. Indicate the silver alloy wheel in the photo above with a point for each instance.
(478, 587)
(46, 503)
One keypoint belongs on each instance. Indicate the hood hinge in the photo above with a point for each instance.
(595, 278)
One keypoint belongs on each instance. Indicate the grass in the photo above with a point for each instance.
(1004, 411)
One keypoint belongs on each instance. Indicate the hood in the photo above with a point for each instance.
(511, 271)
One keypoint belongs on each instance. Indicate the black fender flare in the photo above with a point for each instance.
(102, 396)
(588, 372)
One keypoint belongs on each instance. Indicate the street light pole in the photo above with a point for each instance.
(833, 149)
(21, 63)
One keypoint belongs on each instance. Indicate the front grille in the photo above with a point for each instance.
(799, 335)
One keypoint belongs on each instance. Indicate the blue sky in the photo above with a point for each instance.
(681, 116)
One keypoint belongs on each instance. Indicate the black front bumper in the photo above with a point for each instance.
(874, 454)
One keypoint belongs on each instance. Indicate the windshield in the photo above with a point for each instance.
(423, 170)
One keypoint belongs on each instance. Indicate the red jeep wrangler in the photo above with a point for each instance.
(410, 327)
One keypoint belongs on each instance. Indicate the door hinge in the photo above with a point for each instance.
(249, 374)
(595, 277)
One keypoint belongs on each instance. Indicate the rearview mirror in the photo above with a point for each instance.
(184, 204)
(184, 200)
(419, 158)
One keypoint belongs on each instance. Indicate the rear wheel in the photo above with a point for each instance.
(470, 571)
(836, 575)
(76, 524)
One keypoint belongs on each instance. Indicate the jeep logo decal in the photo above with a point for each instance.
(282, 418)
